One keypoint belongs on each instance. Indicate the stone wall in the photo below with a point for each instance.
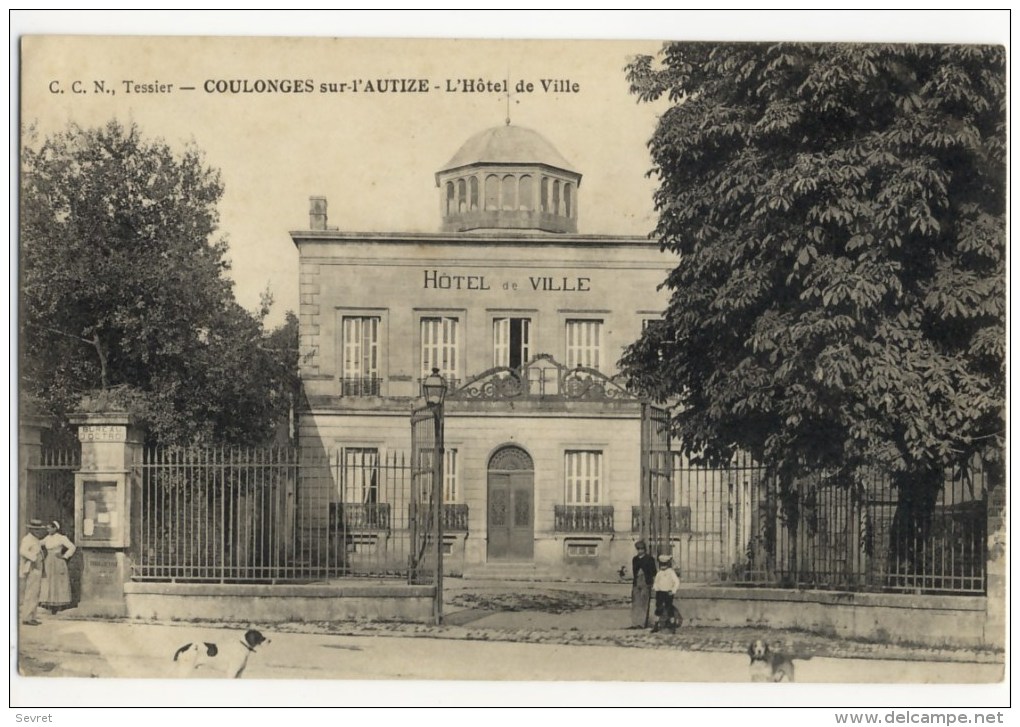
(279, 603)
(935, 621)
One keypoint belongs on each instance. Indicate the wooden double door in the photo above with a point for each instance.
(511, 506)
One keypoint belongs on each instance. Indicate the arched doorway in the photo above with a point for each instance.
(511, 508)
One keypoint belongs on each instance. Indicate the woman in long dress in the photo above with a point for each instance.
(643, 570)
(55, 593)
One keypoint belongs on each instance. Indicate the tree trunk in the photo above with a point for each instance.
(909, 534)
(98, 344)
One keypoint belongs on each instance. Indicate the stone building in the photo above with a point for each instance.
(525, 318)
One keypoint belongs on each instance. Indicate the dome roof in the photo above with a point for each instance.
(508, 145)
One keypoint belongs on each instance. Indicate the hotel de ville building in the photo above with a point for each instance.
(525, 318)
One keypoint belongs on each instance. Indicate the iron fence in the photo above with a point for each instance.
(276, 516)
(50, 489)
(49, 495)
(245, 515)
(742, 528)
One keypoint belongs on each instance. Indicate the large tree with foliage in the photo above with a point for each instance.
(839, 215)
(124, 298)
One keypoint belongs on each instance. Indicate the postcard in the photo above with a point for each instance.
(461, 361)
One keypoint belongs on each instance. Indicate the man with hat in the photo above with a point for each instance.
(666, 584)
(643, 568)
(30, 571)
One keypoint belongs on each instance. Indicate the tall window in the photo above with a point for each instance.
(451, 492)
(361, 475)
(511, 339)
(583, 477)
(584, 343)
(360, 375)
(440, 342)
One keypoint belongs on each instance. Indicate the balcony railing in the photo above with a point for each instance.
(360, 386)
(583, 519)
(455, 517)
(452, 384)
(350, 516)
(679, 518)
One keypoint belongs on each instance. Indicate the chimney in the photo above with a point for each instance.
(317, 213)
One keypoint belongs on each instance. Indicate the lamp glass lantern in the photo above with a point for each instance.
(434, 388)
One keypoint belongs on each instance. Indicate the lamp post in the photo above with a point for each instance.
(434, 388)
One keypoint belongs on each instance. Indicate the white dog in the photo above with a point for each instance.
(229, 658)
(767, 665)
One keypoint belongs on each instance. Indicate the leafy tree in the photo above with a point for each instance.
(839, 212)
(124, 300)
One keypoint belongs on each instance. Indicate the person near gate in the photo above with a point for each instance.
(666, 584)
(55, 591)
(30, 569)
(643, 568)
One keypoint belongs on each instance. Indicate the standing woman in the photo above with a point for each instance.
(56, 583)
(643, 568)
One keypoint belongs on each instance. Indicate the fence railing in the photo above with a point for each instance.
(49, 493)
(237, 515)
(827, 535)
(246, 515)
(583, 519)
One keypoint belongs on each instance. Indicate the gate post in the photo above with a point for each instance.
(106, 507)
(996, 566)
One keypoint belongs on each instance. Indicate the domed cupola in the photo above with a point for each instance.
(508, 177)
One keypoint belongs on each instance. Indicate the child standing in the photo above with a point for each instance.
(665, 586)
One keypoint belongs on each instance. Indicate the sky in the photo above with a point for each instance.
(373, 155)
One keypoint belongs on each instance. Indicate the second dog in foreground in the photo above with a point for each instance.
(229, 658)
(768, 665)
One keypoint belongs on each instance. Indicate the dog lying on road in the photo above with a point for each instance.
(768, 665)
(229, 658)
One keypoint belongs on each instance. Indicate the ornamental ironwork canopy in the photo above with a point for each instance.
(543, 378)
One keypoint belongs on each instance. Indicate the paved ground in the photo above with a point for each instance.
(502, 644)
(600, 613)
(122, 649)
(571, 626)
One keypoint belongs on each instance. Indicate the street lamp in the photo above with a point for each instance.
(434, 388)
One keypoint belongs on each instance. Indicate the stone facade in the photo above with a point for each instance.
(526, 320)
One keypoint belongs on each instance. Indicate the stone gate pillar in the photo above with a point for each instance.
(106, 499)
(995, 596)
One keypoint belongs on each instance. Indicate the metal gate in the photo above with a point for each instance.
(658, 510)
(50, 492)
(49, 496)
